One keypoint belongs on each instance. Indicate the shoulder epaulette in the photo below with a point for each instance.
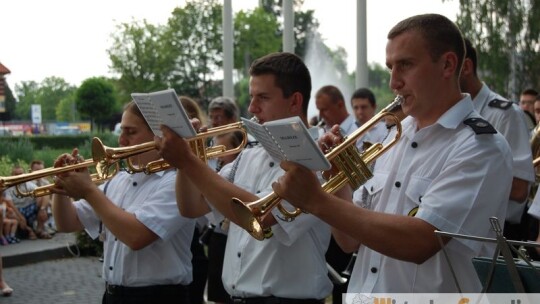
(500, 104)
(480, 126)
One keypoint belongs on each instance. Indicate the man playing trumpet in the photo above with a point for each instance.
(136, 217)
(450, 171)
(290, 266)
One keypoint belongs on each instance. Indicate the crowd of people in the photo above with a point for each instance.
(464, 155)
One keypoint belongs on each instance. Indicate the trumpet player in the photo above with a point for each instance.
(450, 171)
(290, 266)
(508, 119)
(147, 257)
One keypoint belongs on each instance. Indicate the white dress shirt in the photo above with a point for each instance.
(290, 264)
(376, 134)
(457, 180)
(511, 124)
(152, 199)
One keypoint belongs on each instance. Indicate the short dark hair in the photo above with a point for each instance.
(365, 93)
(439, 33)
(291, 74)
(470, 53)
(530, 91)
(36, 162)
(332, 91)
(229, 107)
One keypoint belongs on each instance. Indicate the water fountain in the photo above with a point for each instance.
(324, 72)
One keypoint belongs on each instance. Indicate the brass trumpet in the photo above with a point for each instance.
(104, 158)
(197, 143)
(536, 162)
(352, 165)
(103, 172)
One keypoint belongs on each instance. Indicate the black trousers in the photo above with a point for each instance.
(199, 261)
(339, 260)
(274, 300)
(163, 294)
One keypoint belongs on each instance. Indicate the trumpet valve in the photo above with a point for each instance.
(350, 162)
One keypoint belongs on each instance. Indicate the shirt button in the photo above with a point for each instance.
(258, 191)
(371, 188)
(420, 198)
(397, 184)
(110, 267)
(134, 184)
(234, 287)
(373, 269)
(414, 144)
(271, 164)
(239, 254)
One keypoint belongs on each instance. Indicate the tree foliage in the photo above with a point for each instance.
(67, 110)
(499, 30)
(194, 36)
(95, 100)
(255, 35)
(184, 54)
(138, 56)
(48, 94)
(305, 23)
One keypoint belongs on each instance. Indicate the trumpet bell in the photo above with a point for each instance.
(247, 220)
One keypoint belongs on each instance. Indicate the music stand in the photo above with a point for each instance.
(495, 272)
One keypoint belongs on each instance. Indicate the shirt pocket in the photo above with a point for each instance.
(414, 194)
(371, 189)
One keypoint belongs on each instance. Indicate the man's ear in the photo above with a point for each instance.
(450, 64)
(297, 100)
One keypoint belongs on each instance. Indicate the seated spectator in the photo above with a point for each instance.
(33, 210)
(37, 165)
(8, 223)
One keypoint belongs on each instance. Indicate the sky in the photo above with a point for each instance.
(69, 39)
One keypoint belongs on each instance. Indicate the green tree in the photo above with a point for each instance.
(67, 110)
(506, 35)
(48, 94)
(137, 57)
(193, 42)
(305, 23)
(255, 34)
(95, 100)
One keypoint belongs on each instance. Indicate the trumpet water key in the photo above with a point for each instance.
(352, 168)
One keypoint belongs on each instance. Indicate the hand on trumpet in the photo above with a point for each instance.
(298, 177)
(76, 183)
(326, 142)
(174, 149)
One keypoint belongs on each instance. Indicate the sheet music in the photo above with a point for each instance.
(164, 108)
(288, 139)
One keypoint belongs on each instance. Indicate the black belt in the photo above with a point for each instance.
(274, 300)
(145, 290)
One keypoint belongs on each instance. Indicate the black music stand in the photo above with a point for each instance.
(496, 272)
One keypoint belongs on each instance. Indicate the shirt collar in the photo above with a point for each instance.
(451, 119)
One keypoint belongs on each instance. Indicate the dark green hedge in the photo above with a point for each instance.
(52, 141)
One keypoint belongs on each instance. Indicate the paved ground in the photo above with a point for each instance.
(50, 271)
(61, 281)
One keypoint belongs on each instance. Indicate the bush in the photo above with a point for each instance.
(88, 246)
(18, 150)
(6, 165)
